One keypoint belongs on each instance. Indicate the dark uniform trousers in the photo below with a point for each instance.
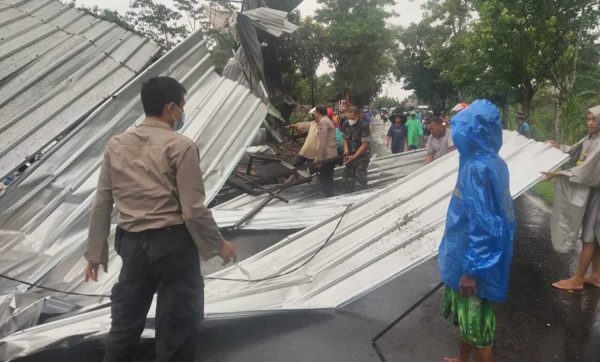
(326, 178)
(355, 174)
(164, 261)
(325, 173)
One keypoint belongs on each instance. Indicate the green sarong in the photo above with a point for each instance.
(474, 317)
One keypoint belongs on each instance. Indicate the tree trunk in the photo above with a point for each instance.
(312, 90)
(505, 112)
(558, 106)
(528, 93)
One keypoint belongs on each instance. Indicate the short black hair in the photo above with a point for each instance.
(322, 110)
(160, 91)
(436, 120)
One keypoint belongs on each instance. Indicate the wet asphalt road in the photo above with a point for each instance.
(537, 323)
(344, 335)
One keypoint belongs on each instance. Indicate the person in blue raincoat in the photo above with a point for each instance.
(477, 247)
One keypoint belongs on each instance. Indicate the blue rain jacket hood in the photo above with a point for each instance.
(480, 225)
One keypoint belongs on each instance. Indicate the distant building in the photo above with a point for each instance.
(410, 102)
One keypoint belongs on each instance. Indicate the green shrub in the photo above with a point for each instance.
(545, 190)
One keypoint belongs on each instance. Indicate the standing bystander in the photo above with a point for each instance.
(152, 175)
(522, 125)
(577, 205)
(415, 132)
(308, 151)
(439, 142)
(326, 152)
(397, 133)
(477, 247)
(356, 151)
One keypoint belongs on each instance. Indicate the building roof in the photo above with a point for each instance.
(57, 64)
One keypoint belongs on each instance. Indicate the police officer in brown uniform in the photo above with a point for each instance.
(153, 177)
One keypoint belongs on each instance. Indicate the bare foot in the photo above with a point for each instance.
(593, 280)
(450, 359)
(572, 283)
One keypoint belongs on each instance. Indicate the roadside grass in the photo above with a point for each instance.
(545, 190)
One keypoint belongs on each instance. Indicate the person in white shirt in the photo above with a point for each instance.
(439, 142)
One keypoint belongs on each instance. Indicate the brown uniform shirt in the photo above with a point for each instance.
(153, 176)
(326, 146)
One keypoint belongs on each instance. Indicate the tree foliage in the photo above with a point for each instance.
(193, 15)
(385, 102)
(505, 50)
(112, 16)
(306, 46)
(324, 91)
(158, 22)
(359, 44)
(303, 51)
(531, 44)
(416, 67)
(299, 55)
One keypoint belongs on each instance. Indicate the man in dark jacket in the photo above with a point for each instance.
(356, 151)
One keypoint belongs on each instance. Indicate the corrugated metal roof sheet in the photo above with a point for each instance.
(43, 219)
(306, 204)
(57, 64)
(272, 21)
(378, 239)
(294, 215)
(382, 171)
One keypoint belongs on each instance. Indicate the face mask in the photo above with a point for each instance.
(178, 123)
(352, 122)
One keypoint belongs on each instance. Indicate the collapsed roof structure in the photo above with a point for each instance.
(330, 263)
(57, 64)
(304, 204)
(344, 254)
(44, 216)
(45, 212)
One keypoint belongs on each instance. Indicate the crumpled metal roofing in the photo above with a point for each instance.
(44, 218)
(247, 64)
(306, 204)
(377, 239)
(382, 171)
(57, 64)
(272, 21)
(294, 215)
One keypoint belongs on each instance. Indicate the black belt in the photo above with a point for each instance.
(152, 232)
(157, 242)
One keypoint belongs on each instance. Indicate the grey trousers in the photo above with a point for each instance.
(591, 219)
(163, 261)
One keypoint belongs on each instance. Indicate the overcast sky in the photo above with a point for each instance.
(408, 11)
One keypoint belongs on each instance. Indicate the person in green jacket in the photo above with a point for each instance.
(415, 132)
